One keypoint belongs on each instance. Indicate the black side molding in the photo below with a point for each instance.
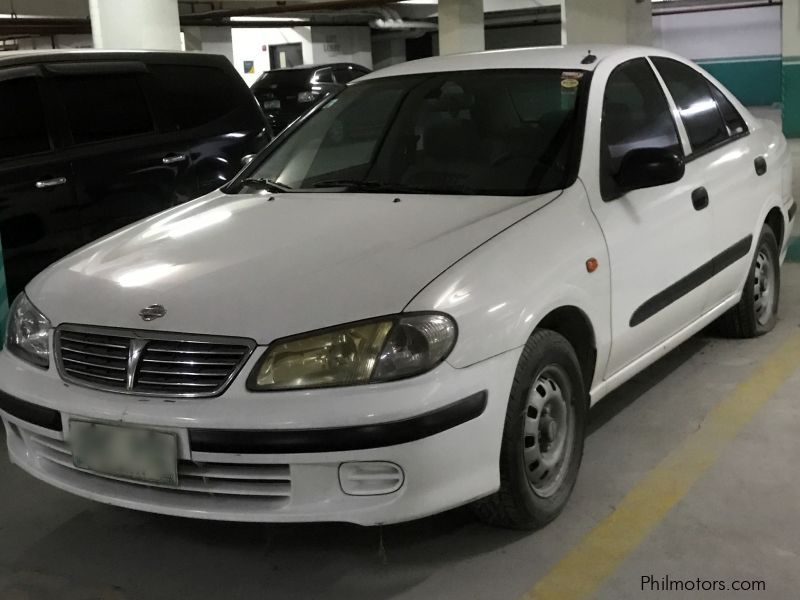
(338, 439)
(693, 280)
(30, 413)
(792, 210)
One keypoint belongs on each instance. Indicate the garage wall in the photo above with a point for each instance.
(251, 44)
(791, 69)
(387, 50)
(741, 48)
(342, 44)
(498, 38)
(212, 40)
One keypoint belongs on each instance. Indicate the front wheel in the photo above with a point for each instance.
(543, 436)
(757, 311)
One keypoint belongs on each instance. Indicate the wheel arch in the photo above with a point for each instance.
(775, 220)
(576, 327)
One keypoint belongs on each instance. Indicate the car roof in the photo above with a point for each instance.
(314, 67)
(545, 57)
(24, 57)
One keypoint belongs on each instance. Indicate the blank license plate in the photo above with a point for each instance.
(272, 104)
(131, 453)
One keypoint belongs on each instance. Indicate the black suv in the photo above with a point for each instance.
(285, 94)
(91, 141)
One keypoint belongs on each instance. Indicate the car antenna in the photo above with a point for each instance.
(589, 58)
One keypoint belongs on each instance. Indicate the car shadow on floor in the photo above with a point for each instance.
(635, 388)
(139, 555)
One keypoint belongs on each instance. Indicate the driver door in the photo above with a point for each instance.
(657, 237)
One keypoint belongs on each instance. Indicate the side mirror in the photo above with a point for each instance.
(247, 159)
(648, 167)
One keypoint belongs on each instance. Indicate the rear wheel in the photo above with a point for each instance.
(757, 310)
(542, 438)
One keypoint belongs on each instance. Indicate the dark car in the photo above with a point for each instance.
(91, 141)
(285, 94)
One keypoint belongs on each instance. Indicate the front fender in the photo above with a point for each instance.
(499, 292)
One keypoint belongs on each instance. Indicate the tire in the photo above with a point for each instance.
(757, 311)
(543, 435)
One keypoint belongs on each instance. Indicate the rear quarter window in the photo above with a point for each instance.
(194, 95)
(698, 109)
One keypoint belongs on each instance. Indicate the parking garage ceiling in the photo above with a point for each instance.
(26, 17)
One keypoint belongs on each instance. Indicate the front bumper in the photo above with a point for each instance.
(276, 457)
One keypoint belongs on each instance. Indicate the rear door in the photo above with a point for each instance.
(125, 164)
(215, 118)
(723, 159)
(39, 221)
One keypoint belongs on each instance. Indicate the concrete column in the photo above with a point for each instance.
(790, 67)
(608, 22)
(211, 40)
(461, 26)
(135, 24)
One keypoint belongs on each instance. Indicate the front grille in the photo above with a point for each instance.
(271, 482)
(149, 363)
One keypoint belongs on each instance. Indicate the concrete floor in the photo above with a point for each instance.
(739, 520)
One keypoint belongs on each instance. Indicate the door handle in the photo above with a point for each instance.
(700, 198)
(173, 158)
(760, 164)
(48, 183)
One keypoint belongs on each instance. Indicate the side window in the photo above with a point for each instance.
(194, 95)
(732, 118)
(692, 93)
(22, 124)
(635, 115)
(104, 107)
(345, 74)
(323, 76)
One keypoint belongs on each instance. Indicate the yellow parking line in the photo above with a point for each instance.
(598, 555)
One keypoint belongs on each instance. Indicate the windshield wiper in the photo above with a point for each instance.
(266, 184)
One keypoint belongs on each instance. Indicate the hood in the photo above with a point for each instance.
(243, 265)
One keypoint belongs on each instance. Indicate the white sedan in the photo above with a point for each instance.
(408, 301)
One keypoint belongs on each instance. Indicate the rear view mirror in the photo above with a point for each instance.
(648, 167)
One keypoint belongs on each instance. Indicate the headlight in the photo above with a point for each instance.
(365, 352)
(27, 335)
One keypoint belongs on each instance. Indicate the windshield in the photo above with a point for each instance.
(287, 78)
(509, 132)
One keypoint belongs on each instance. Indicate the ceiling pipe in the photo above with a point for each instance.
(285, 8)
(400, 25)
(657, 12)
(29, 26)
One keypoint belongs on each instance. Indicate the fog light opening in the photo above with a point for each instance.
(370, 478)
